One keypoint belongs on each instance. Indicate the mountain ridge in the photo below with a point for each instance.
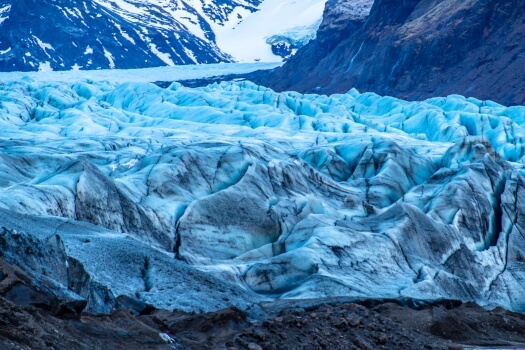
(416, 49)
(101, 34)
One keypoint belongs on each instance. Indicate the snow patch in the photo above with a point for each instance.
(167, 338)
(4, 13)
(45, 67)
(124, 34)
(164, 57)
(44, 46)
(109, 57)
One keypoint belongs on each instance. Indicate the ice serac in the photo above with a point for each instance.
(86, 268)
(130, 195)
(414, 49)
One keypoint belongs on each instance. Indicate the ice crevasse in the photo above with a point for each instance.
(150, 191)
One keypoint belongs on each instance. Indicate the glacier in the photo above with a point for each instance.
(123, 195)
(143, 75)
(272, 33)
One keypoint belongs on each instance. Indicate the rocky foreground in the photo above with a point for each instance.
(320, 324)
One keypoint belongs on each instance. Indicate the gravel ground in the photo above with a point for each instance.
(325, 324)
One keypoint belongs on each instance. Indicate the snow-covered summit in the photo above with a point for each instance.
(95, 34)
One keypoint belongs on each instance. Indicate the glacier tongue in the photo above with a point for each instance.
(150, 192)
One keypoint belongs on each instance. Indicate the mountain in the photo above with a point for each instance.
(169, 216)
(95, 34)
(276, 31)
(413, 49)
(133, 196)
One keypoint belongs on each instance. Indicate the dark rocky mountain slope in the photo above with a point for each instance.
(95, 34)
(413, 49)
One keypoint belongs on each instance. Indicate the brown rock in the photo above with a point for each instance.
(259, 335)
(341, 324)
(456, 347)
(268, 324)
(354, 321)
(382, 339)
(363, 344)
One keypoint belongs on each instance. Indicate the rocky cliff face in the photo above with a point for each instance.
(415, 49)
(341, 19)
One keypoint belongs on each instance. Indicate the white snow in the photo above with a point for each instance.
(246, 41)
(240, 35)
(190, 21)
(124, 34)
(124, 8)
(88, 50)
(167, 338)
(4, 13)
(44, 67)
(244, 34)
(2, 52)
(44, 46)
(110, 58)
(5, 9)
(165, 57)
(191, 55)
(73, 12)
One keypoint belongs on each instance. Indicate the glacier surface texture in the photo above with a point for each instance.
(122, 195)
